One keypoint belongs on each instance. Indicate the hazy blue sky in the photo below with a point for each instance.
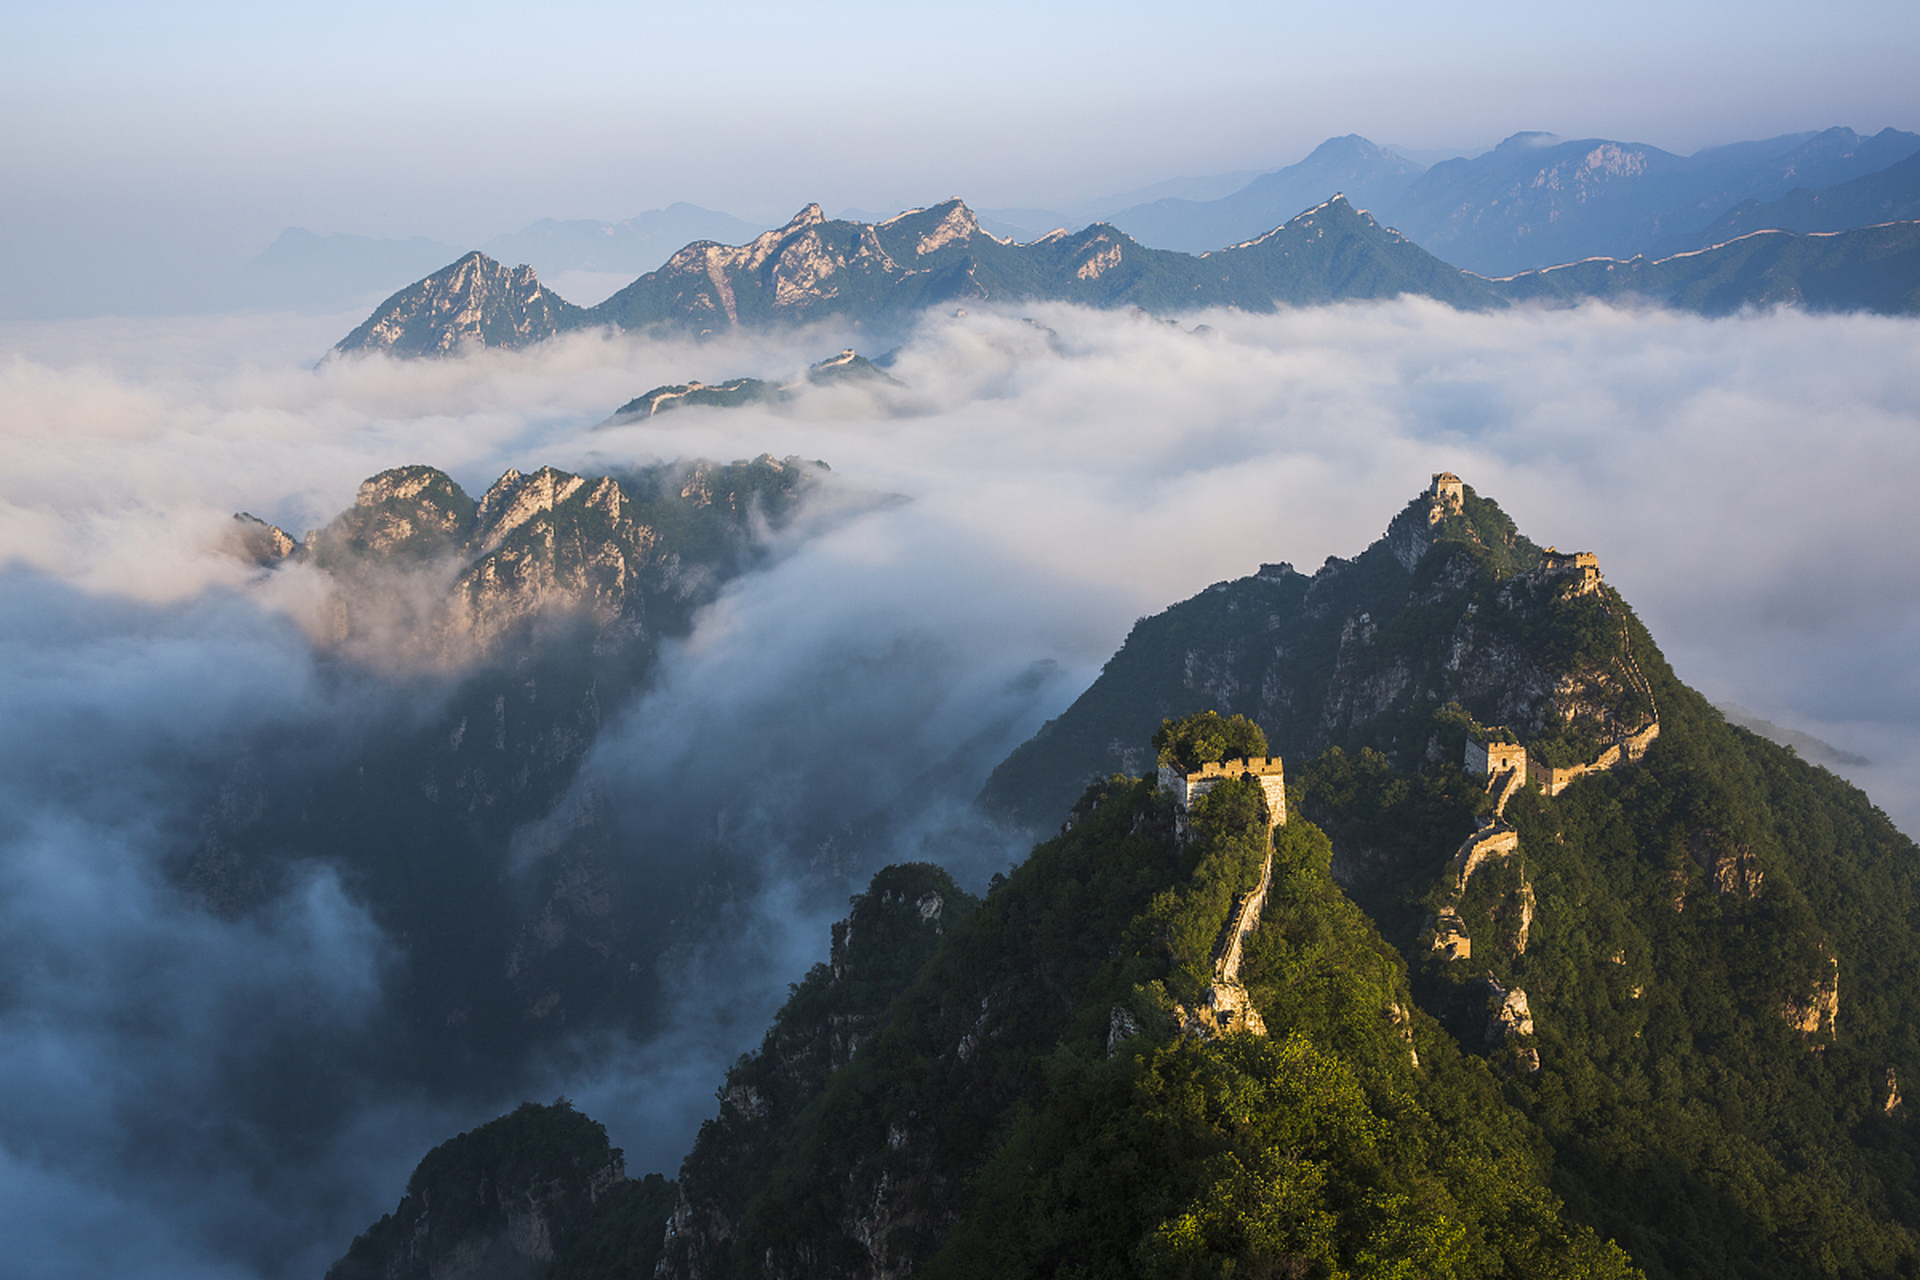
(460, 121)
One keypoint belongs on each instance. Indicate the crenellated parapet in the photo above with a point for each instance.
(1187, 788)
(1580, 569)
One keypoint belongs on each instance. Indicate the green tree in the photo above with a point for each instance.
(1207, 737)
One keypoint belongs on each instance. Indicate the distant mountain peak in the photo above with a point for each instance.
(1529, 140)
(937, 226)
(473, 301)
(1336, 208)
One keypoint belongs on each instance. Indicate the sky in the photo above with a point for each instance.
(135, 135)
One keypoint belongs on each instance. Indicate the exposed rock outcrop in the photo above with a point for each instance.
(252, 538)
(1815, 1011)
(1510, 1024)
(428, 574)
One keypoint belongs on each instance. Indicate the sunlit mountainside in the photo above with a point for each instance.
(1539, 968)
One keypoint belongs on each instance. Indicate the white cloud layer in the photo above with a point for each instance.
(1746, 483)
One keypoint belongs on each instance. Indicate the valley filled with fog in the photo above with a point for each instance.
(222, 1087)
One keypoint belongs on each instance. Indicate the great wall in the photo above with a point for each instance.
(1226, 1006)
(1507, 768)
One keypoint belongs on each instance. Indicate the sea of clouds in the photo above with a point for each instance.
(1049, 476)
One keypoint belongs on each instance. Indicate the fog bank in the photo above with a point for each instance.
(1056, 474)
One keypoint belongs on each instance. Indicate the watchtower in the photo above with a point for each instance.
(1488, 758)
(1189, 787)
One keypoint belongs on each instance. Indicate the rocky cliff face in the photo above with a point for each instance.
(475, 302)
(545, 550)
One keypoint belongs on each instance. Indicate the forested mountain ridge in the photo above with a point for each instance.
(1681, 928)
(1451, 605)
(1508, 1019)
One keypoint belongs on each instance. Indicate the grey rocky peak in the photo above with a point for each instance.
(538, 550)
(887, 273)
(474, 302)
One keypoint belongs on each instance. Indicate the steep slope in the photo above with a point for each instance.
(1335, 253)
(1370, 177)
(473, 302)
(1032, 1105)
(1889, 195)
(1867, 269)
(1357, 654)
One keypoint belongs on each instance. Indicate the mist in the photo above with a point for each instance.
(187, 1092)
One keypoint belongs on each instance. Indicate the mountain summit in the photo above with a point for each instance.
(472, 302)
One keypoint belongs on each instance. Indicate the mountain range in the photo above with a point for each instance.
(1535, 200)
(881, 275)
(886, 273)
(1891, 194)
(1536, 967)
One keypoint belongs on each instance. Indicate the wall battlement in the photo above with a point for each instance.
(1189, 787)
(1581, 566)
(1553, 781)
